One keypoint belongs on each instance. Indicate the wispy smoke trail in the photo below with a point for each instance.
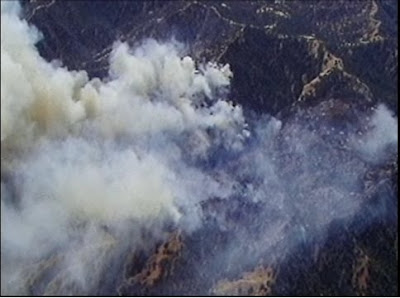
(87, 165)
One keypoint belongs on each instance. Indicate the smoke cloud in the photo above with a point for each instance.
(380, 138)
(89, 164)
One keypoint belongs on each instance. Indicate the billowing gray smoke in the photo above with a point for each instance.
(88, 165)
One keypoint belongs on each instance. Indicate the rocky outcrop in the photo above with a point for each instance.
(256, 283)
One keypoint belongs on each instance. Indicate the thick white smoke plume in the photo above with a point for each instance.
(88, 165)
(103, 152)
